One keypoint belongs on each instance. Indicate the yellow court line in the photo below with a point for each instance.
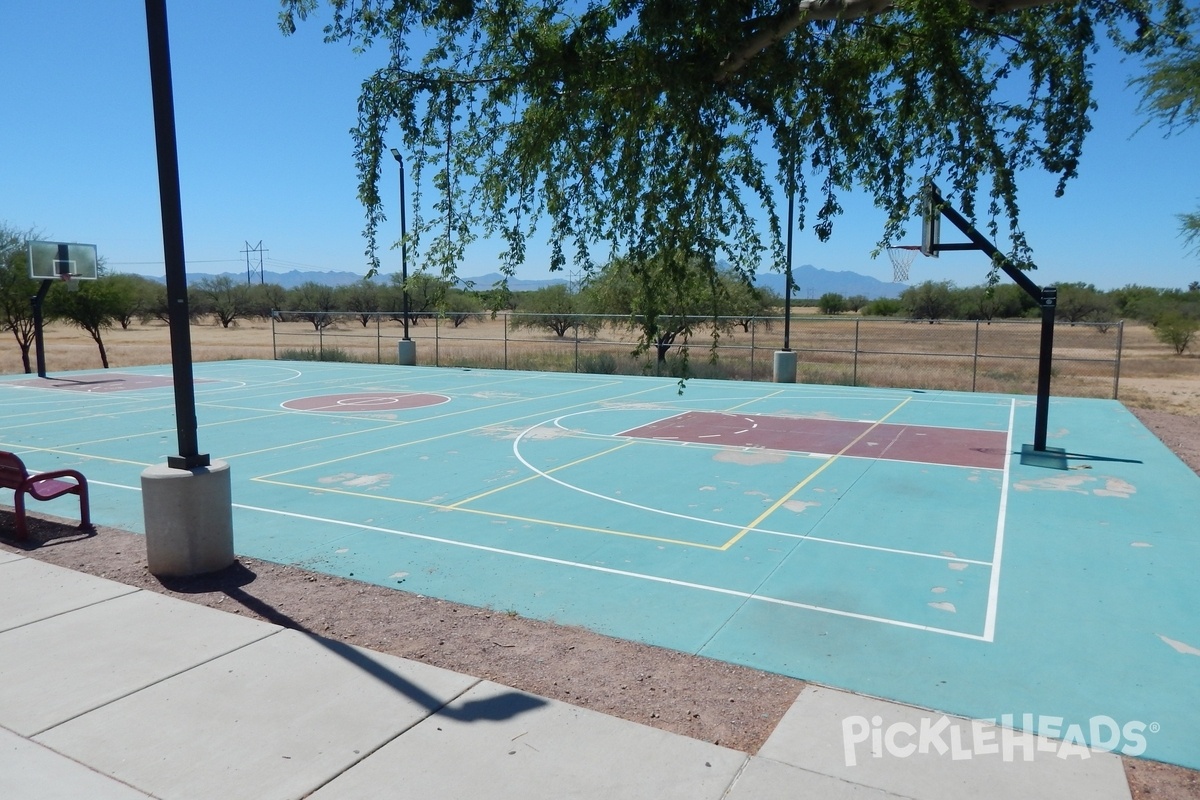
(778, 503)
(497, 515)
(34, 449)
(545, 472)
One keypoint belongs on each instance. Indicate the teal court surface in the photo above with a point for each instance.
(888, 542)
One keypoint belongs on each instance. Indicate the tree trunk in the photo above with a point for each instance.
(100, 344)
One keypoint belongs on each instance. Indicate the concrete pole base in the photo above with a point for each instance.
(189, 519)
(785, 366)
(406, 350)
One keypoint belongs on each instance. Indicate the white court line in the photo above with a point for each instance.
(516, 448)
(597, 568)
(620, 572)
(989, 625)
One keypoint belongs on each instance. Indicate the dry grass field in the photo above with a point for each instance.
(1150, 376)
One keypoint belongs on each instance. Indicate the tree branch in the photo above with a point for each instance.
(769, 30)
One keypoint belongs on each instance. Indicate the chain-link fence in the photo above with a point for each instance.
(977, 356)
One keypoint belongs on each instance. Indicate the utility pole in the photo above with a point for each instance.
(252, 268)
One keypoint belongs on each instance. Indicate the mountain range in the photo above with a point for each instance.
(810, 282)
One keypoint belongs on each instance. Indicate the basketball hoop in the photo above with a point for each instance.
(902, 257)
(71, 280)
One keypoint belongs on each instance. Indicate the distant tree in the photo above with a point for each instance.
(426, 295)
(554, 308)
(1082, 302)
(1176, 330)
(461, 306)
(363, 297)
(664, 299)
(929, 300)
(883, 307)
(996, 301)
(313, 302)
(92, 306)
(856, 301)
(223, 297)
(498, 297)
(1142, 303)
(831, 303)
(130, 297)
(16, 288)
(747, 303)
(265, 298)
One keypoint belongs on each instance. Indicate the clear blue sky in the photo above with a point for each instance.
(265, 155)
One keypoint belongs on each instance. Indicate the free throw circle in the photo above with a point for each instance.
(360, 402)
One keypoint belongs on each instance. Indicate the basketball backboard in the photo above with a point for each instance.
(931, 220)
(57, 260)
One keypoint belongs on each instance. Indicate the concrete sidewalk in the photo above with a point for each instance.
(110, 692)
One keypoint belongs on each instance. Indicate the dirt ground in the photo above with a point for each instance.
(733, 706)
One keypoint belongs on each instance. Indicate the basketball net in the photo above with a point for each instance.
(902, 257)
(72, 281)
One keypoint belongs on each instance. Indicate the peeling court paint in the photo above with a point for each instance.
(1079, 484)
(1179, 647)
(356, 480)
(750, 457)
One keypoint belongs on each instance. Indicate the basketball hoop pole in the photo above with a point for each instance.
(1046, 297)
(39, 341)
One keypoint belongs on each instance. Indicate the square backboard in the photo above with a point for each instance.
(53, 260)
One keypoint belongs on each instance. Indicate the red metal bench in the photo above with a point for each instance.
(43, 486)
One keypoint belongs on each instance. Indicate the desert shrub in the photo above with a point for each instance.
(1176, 330)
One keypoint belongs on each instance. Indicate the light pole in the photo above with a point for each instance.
(403, 243)
(784, 367)
(406, 349)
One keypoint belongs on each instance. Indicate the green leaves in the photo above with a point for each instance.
(642, 128)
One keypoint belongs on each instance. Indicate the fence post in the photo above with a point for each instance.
(437, 342)
(274, 355)
(975, 358)
(1117, 362)
(854, 380)
(321, 342)
(378, 341)
(506, 340)
(577, 348)
(753, 330)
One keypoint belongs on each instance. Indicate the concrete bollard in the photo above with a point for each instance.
(189, 519)
(406, 352)
(785, 366)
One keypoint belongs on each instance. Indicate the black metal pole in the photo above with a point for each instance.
(172, 224)
(787, 281)
(1048, 302)
(39, 342)
(403, 245)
